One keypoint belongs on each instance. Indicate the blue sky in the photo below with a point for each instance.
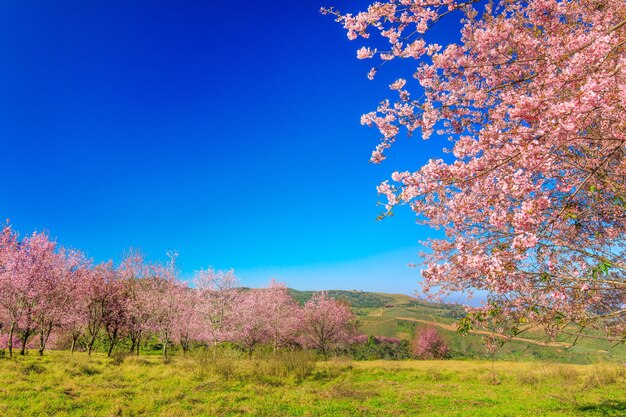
(228, 131)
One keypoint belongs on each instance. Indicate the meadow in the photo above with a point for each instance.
(296, 384)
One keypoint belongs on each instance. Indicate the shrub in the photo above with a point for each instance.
(89, 370)
(33, 368)
(378, 347)
(265, 366)
(118, 358)
(527, 378)
(297, 364)
(600, 376)
(217, 361)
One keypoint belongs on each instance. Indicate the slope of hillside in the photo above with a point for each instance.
(401, 316)
(357, 299)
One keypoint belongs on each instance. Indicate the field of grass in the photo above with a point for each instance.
(60, 384)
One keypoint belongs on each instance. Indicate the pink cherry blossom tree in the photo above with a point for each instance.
(114, 317)
(37, 286)
(10, 261)
(248, 322)
(134, 272)
(58, 293)
(427, 344)
(281, 315)
(165, 307)
(189, 324)
(218, 296)
(94, 301)
(104, 305)
(531, 197)
(326, 323)
(73, 321)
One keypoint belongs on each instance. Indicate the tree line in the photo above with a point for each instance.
(50, 294)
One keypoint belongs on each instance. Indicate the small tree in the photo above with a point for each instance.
(9, 296)
(188, 325)
(218, 295)
(134, 272)
(249, 321)
(427, 344)
(165, 308)
(326, 323)
(114, 316)
(281, 321)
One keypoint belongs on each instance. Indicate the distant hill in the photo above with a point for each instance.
(401, 316)
(357, 299)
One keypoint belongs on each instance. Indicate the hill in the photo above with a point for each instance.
(357, 299)
(401, 316)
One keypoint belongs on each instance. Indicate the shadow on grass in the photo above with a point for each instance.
(605, 408)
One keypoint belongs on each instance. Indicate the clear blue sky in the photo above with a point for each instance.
(227, 130)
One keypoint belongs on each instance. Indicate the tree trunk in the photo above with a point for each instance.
(44, 336)
(74, 340)
(90, 345)
(112, 340)
(184, 344)
(10, 341)
(42, 342)
(25, 335)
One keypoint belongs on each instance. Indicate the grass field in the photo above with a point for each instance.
(60, 384)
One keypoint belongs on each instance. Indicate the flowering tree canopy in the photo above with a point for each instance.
(427, 344)
(48, 292)
(532, 197)
(326, 323)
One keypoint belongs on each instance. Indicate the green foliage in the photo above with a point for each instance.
(32, 368)
(602, 268)
(375, 349)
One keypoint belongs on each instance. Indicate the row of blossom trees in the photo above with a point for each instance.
(49, 292)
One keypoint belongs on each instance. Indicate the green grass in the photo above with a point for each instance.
(60, 384)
